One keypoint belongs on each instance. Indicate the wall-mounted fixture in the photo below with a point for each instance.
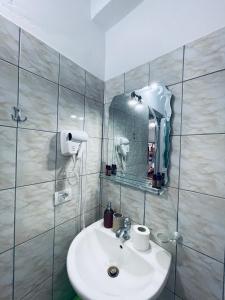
(16, 116)
(143, 118)
(72, 142)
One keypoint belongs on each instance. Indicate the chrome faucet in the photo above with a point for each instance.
(124, 232)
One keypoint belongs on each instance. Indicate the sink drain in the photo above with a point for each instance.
(113, 271)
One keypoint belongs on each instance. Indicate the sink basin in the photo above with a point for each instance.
(101, 267)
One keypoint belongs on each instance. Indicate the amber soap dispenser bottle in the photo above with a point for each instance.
(108, 216)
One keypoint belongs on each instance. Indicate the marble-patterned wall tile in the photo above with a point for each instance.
(202, 223)
(8, 92)
(33, 263)
(161, 212)
(71, 110)
(173, 170)
(34, 210)
(38, 98)
(113, 87)
(94, 87)
(91, 191)
(70, 209)
(204, 104)
(9, 41)
(167, 68)
(205, 55)
(64, 234)
(38, 57)
(132, 204)
(166, 295)
(71, 76)
(203, 164)
(92, 156)
(7, 157)
(93, 118)
(43, 291)
(62, 288)
(198, 276)
(111, 192)
(92, 216)
(176, 103)
(161, 217)
(36, 156)
(6, 278)
(137, 78)
(7, 198)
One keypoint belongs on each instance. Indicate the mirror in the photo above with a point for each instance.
(138, 132)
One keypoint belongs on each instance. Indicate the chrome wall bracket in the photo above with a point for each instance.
(16, 116)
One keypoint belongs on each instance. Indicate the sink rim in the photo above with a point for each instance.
(86, 293)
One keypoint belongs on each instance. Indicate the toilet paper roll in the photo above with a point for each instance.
(140, 237)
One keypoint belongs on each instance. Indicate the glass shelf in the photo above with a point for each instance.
(141, 185)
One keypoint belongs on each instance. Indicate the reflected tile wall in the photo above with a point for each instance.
(32, 167)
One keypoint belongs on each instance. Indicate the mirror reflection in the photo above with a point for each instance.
(139, 129)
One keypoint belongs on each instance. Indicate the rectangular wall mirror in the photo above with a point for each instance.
(139, 138)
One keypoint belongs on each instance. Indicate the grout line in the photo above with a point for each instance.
(206, 74)
(9, 249)
(40, 76)
(223, 295)
(56, 159)
(179, 172)
(39, 130)
(16, 158)
(195, 250)
(144, 208)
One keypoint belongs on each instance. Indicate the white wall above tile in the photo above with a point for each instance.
(64, 25)
(157, 27)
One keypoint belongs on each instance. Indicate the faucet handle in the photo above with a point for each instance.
(127, 222)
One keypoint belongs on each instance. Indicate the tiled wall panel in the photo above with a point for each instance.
(195, 201)
(32, 167)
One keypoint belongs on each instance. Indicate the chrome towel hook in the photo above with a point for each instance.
(17, 115)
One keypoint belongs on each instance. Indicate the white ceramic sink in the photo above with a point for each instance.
(142, 275)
